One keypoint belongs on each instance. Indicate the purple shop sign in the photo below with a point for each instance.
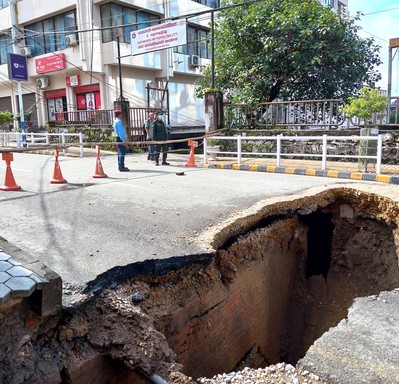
(17, 67)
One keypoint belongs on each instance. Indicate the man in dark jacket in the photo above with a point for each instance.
(160, 134)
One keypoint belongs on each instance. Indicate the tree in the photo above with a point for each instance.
(5, 117)
(290, 49)
(368, 102)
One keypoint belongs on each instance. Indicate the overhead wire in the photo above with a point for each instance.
(114, 88)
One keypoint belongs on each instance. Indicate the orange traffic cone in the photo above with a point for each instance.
(57, 175)
(99, 172)
(9, 183)
(191, 162)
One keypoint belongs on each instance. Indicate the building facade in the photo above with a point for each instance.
(337, 5)
(79, 57)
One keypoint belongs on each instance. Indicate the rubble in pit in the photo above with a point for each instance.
(107, 339)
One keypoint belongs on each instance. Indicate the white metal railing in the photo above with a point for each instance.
(321, 148)
(19, 140)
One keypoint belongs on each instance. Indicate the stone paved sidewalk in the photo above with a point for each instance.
(16, 281)
(21, 276)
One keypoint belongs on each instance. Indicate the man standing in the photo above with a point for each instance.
(120, 137)
(160, 134)
(149, 129)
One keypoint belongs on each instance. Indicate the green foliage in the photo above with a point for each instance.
(203, 83)
(290, 49)
(213, 142)
(368, 102)
(6, 117)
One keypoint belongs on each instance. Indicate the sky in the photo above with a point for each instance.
(380, 21)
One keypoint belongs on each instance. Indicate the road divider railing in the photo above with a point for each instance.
(41, 139)
(369, 148)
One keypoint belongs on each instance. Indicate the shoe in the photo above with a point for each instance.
(165, 163)
(124, 169)
(156, 163)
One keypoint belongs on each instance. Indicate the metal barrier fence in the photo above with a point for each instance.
(19, 140)
(303, 114)
(273, 147)
(300, 114)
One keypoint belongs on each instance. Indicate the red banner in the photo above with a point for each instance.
(50, 63)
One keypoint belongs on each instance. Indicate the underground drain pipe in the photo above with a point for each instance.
(153, 379)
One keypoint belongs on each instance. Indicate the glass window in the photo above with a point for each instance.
(35, 38)
(330, 3)
(4, 3)
(198, 43)
(192, 41)
(209, 3)
(130, 20)
(114, 15)
(49, 35)
(106, 22)
(203, 43)
(145, 19)
(5, 47)
(49, 38)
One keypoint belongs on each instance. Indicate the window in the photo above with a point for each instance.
(198, 43)
(341, 8)
(4, 3)
(56, 108)
(114, 15)
(5, 47)
(209, 3)
(330, 3)
(49, 35)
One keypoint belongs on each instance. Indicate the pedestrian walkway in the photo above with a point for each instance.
(342, 170)
(21, 275)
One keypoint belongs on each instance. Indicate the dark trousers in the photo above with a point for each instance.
(121, 153)
(158, 149)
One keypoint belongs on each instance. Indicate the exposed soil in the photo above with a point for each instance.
(282, 275)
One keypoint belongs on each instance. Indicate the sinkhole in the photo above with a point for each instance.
(277, 280)
(272, 291)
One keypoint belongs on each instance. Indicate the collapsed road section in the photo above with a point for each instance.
(272, 281)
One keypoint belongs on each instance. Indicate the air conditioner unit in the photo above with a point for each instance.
(26, 51)
(70, 40)
(42, 82)
(194, 61)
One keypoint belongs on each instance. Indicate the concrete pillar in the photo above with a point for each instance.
(214, 118)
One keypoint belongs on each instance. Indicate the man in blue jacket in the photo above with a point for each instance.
(120, 137)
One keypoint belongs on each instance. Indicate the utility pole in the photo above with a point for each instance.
(393, 43)
(14, 36)
(121, 102)
(120, 70)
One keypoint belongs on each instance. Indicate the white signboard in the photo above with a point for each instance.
(159, 36)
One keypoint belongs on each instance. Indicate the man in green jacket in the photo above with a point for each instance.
(160, 134)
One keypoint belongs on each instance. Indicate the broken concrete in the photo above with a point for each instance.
(363, 348)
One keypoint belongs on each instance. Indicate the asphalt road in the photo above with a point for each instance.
(87, 226)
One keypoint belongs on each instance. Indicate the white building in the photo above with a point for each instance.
(337, 5)
(74, 61)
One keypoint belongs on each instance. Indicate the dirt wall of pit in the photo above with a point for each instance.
(274, 290)
(218, 314)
